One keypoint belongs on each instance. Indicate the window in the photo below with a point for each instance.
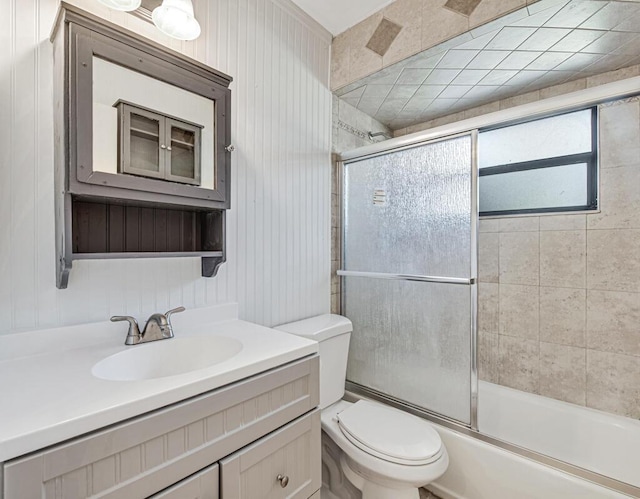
(546, 165)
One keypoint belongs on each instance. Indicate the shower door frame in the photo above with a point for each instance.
(568, 102)
(472, 281)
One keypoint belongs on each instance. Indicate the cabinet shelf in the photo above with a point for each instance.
(149, 254)
(145, 133)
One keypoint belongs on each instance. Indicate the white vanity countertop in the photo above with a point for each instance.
(49, 395)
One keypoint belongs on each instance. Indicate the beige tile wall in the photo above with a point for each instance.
(349, 131)
(425, 24)
(559, 295)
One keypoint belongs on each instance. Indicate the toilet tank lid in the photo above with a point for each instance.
(319, 328)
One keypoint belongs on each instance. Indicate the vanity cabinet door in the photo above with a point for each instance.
(284, 464)
(202, 485)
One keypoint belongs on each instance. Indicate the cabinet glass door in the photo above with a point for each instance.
(142, 144)
(183, 152)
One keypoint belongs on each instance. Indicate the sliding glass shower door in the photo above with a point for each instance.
(408, 276)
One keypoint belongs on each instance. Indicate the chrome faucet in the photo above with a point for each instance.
(158, 327)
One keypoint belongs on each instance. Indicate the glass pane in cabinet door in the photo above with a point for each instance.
(145, 143)
(183, 155)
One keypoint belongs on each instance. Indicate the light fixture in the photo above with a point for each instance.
(125, 5)
(175, 18)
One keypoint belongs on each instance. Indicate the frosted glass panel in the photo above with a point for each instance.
(556, 136)
(554, 187)
(409, 212)
(411, 340)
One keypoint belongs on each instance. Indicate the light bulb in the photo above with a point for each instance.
(125, 5)
(175, 18)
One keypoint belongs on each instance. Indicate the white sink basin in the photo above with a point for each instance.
(169, 357)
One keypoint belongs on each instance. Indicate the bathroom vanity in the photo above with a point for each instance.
(247, 426)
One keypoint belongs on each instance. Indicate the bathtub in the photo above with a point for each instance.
(597, 441)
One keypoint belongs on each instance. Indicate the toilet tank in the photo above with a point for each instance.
(332, 332)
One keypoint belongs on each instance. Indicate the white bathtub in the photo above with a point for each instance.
(594, 440)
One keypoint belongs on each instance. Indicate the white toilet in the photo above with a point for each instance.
(385, 453)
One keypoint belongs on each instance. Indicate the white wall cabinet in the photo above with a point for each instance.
(231, 443)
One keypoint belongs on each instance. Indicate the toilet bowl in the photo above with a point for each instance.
(383, 452)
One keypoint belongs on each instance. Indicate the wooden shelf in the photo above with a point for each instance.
(150, 254)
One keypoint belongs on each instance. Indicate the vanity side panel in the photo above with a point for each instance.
(145, 455)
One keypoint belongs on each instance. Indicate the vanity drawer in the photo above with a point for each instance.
(202, 485)
(144, 455)
(284, 464)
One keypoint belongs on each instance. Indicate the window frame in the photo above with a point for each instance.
(590, 158)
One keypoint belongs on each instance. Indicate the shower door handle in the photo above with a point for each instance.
(408, 277)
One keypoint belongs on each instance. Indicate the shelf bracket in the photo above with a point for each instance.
(211, 264)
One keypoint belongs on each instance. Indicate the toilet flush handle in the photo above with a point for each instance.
(284, 480)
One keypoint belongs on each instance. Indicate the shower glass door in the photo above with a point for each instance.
(408, 277)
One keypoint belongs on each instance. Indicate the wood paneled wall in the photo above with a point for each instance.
(279, 225)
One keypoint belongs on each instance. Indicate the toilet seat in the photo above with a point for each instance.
(389, 434)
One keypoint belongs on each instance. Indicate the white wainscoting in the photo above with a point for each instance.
(278, 242)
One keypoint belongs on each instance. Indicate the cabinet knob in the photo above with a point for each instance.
(230, 148)
(284, 480)
(163, 146)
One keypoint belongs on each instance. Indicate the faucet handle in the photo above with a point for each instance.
(133, 335)
(173, 311)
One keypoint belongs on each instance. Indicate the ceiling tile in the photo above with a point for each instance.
(610, 63)
(539, 18)
(488, 59)
(413, 76)
(518, 60)
(455, 91)
(631, 48)
(498, 77)
(386, 76)
(541, 5)
(609, 42)
(417, 104)
(510, 38)
(470, 76)
(577, 62)
(499, 23)
(611, 15)
(388, 111)
(457, 59)
(439, 105)
(369, 106)
(576, 40)
(481, 92)
(441, 76)
(550, 79)
(354, 96)
(525, 77)
(425, 62)
(376, 91)
(549, 60)
(402, 92)
(399, 122)
(544, 38)
(630, 24)
(478, 43)
(429, 91)
(575, 13)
